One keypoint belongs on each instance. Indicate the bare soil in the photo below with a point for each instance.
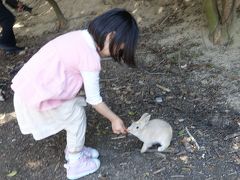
(199, 85)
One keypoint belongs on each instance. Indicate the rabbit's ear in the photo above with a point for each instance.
(145, 118)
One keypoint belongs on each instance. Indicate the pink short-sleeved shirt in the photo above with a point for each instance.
(52, 75)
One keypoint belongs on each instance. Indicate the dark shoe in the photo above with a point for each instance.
(14, 50)
(3, 46)
(9, 47)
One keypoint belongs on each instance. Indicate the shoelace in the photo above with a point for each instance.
(86, 151)
(83, 159)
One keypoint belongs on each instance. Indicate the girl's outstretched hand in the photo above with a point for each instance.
(118, 127)
(117, 123)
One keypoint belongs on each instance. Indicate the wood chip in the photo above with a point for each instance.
(163, 88)
(118, 137)
(158, 171)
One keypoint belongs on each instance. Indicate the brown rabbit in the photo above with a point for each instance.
(152, 132)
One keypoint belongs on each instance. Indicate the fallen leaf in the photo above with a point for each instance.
(181, 133)
(11, 174)
(146, 174)
(131, 113)
(184, 158)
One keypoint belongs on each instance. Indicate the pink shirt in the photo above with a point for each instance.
(52, 75)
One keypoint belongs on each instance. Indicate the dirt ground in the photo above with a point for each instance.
(198, 83)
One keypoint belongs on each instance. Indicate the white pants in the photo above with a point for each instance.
(69, 116)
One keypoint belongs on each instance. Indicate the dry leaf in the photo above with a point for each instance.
(11, 174)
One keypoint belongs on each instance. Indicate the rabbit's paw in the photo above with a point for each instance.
(145, 147)
(162, 148)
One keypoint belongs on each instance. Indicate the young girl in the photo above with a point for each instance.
(45, 88)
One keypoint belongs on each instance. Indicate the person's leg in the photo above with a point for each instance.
(7, 20)
(79, 164)
(76, 132)
(76, 138)
(7, 39)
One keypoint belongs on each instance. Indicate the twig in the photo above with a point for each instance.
(163, 21)
(158, 171)
(163, 88)
(177, 176)
(232, 136)
(118, 137)
(56, 167)
(193, 139)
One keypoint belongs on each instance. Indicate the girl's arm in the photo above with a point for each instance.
(92, 90)
(117, 124)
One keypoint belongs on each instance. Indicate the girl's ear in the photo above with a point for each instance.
(110, 36)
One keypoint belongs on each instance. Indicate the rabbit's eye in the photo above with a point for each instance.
(137, 127)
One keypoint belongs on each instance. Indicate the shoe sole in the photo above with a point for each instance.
(86, 173)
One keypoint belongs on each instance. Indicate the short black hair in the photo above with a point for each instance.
(125, 29)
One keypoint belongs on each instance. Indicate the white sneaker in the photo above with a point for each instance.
(87, 151)
(81, 167)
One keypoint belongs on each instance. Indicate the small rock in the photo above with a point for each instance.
(159, 99)
(184, 66)
(181, 120)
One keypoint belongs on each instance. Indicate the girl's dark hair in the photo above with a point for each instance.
(125, 32)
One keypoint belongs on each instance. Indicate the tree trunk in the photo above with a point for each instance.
(212, 13)
(219, 22)
(227, 9)
(62, 22)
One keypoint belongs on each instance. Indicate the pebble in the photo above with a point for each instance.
(159, 99)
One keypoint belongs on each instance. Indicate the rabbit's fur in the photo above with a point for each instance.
(152, 132)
